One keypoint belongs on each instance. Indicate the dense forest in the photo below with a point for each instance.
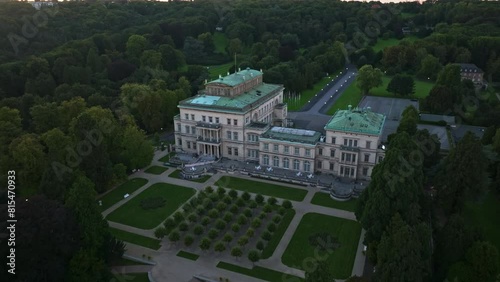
(83, 85)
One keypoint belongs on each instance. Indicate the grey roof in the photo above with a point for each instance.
(469, 68)
(437, 118)
(292, 135)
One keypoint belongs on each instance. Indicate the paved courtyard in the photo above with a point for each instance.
(391, 107)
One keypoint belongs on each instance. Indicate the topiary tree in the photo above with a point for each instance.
(243, 241)
(209, 190)
(242, 220)
(169, 223)
(213, 213)
(250, 232)
(183, 226)
(287, 204)
(267, 208)
(252, 204)
(253, 256)
(271, 227)
(188, 240)
(276, 219)
(248, 212)
(221, 191)
(202, 195)
(263, 215)
(245, 196)
(236, 252)
(260, 245)
(227, 200)
(259, 199)
(174, 236)
(194, 201)
(205, 220)
(200, 209)
(212, 233)
(234, 209)
(160, 232)
(240, 202)
(256, 223)
(266, 235)
(272, 201)
(198, 229)
(227, 217)
(227, 238)
(207, 203)
(187, 208)
(220, 224)
(205, 243)
(214, 197)
(192, 217)
(219, 247)
(281, 210)
(221, 206)
(232, 193)
(178, 217)
(235, 227)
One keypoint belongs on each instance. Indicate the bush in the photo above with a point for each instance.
(259, 199)
(160, 232)
(236, 252)
(240, 202)
(209, 190)
(271, 227)
(242, 220)
(212, 233)
(227, 200)
(152, 203)
(219, 247)
(266, 235)
(207, 203)
(193, 217)
(260, 245)
(227, 217)
(276, 219)
(205, 244)
(202, 195)
(213, 213)
(205, 220)
(256, 223)
(252, 204)
(178, 217)
(200, 209)
(267, 208)
(281, 210)
(253, 255)
(287, 204)
(220, 224)
(247, 212)
(234, 208)
(235, 227)
(262, 215)
(169, 223)
(232, 193)
(183, 226)
(227, 238)
(272, 201)
(188, 240)
(250, 232)
(245, 196)
(221, 206)
(194, 201)
(187, 208)
(243, 241)
(221, 191)
(198, 229)
(174, 236)
(214, 197)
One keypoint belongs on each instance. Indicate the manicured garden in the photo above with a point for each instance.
(308, 94)
(166, 158)
(350, 96)
(384, 43)
(259, 272)
(319, 236)
(225, 221)
(132, 277)
(215, 71)
(148, 209)
(135, 239)
(187, 255)
(323, 199)
(116, 195)
(264, 188)
(156, 169)
(177, 174)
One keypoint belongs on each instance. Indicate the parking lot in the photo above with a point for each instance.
(392, 108)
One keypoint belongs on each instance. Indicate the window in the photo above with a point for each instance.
(266, 159)
(332, 165)
(287, 149)
(210, 119)
(194, 145)
(235, 135)
(319, 164)
(320, 151)
(235, 151)
(275, 147)
(276, 161)
(355, 143)
(187, 128)
(266, 147)
(345, 142)
(179, 127)
(307, 166)
(247, 120)
(365, 171)
(368, 144)
(332, 153)
(380, 159)
(308, 152)
(203, 118)
(186, 116)
(367, 157)
(354, 158)
(296, 164)
(235, 121)
(334, 140)
(193, 129)
(297, 151)
(229, 121)
(229, 135)
(229, 150)
(216, 120)
(286, 163)
(192, 116)
(179, 141)
(188, 145)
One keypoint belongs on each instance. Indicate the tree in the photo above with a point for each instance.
(256, 223)
(136, 152)
(235, 227)
(205, 244)
(271, 227)
(174, 236)
(208, 42)
(440, 99)
(221, 191)
(188, 240)
(234, 47)
(151, 59)
(429, 145)
(253, 256)
(403, 85)
(219, 247)
(272, 201)
(266, 235)
(45, 117)
(260, 245)
(287, 204)
(212, 233)
(368, 77)
(483, 259)
(94, 63)
(198, 229)
(321, 273)
(233, 194)
(160, 232)
(242, 219)
(227, 238)
(409, 120)
(29, 158)
(136, 44)
(449, 76)
(250, 232)
(245, 196)
(236, 252)
(429, 68)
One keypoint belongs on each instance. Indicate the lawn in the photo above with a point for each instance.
(135, 239)
(215, 71)
(132, 277)
(483, 215)
(351, 96)
(131, 213)
(177, 174)
(383, 43)
(323, 199)
(278, 234)
(306, 95)
(341, 260)
(263, 188)
(220, 42)
(166, 158)
(265, 274)
(115, 195)
(187, 255)
(156, 169)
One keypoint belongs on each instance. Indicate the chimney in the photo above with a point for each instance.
(239, 69)
(349, 107)
(220, 76)
(227, 73)
(369, 109)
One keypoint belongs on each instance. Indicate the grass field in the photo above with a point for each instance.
(351, 96)
(323, 199)
(278, 234)
(220, 42)
(306, 95)
(177, 174)
(341, 260)
(215, 71)
(263, 188)
(383, 43)
(166, 158)
(135, 239)
(482, 214)
(187, 255)
(265, 274)
(131, 213)
(132, 277)
(116, 194)
(156, 169)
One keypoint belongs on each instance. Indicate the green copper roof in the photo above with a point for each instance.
(357, 121)
(292, 135)
(237, 78)
(239, 103)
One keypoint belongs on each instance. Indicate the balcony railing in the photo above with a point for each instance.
(349, 148)
(209, 125)
(208, 140)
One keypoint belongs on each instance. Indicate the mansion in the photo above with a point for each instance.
(239, 117)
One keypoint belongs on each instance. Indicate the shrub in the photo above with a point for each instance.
(240, 202)
(266, 235)
(200, 209)
(245, 196)
(253, 255)
(178, 217)
(188, 240)
(220, 224)
(256, 223)
(232, 193)
(174, 236)
(193, 217)
(259, 199)
(214, 197)
(247, 212)
(209, 190)
(227, 200)
(235, 227)
(267, 208)
(169, 223)
(183, 226)
(262, 215)
(271, 227)
(152, 203)
(221, 206)
(213, 213)
(276, 219)
(194, 201)
(234, 208)
(198, 229)
(205, 220)
(252, 204)
(242, 220)
(228, 217)
(260, 245)
(287, 204)
(227, 238)
(250, 232)
(205, 243)
(243, 241)
(202, 195)
(272, 201)
(282, 211)
(221, 191)
(236, 252)
(219, 247)
(160, 232)
(187, 208)
(212, 233)
(207, 203)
